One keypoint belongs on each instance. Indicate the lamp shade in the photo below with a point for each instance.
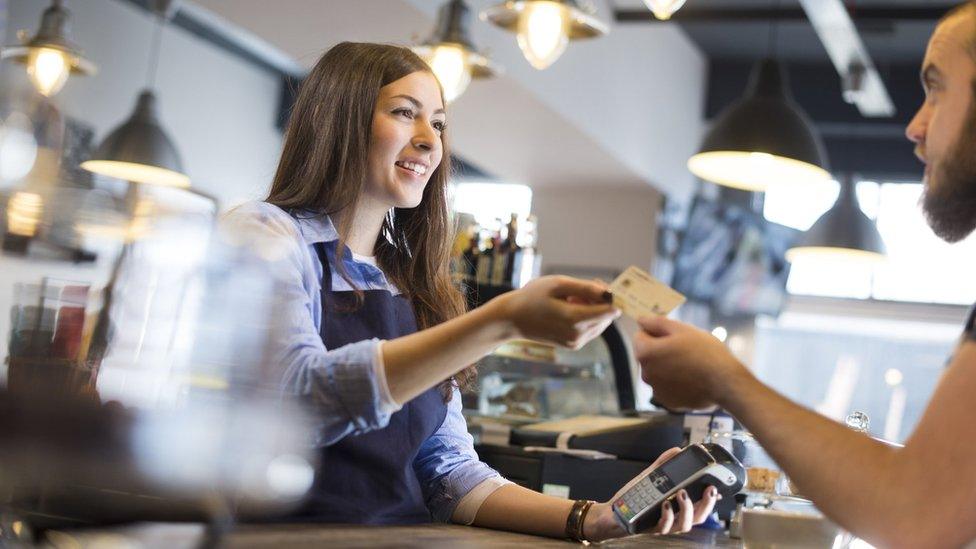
(763, 139)
(139, 150)
(451, 53)
(844, 231)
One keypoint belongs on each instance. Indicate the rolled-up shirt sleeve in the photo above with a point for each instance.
(345, 388)
(448, 467)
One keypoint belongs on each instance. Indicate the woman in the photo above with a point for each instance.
(379, 340)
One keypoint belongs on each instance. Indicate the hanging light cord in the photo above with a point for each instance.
(773, 31)
(154, 52)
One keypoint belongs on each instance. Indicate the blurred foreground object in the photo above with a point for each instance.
(132, 386)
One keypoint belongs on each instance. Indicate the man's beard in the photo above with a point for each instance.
(950, 204)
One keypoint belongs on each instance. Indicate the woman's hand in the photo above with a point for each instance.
(557, 309)
(677, 517)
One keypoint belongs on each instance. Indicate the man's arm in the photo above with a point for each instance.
(921, 496)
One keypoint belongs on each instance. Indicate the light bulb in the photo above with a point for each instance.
(664, 9)
(18, 147)
(24, 213)
(542, 32)
(48, 70)
(450, 65)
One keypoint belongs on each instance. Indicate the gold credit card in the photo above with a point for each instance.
(638, 294)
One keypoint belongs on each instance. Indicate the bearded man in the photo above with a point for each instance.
(922, 495)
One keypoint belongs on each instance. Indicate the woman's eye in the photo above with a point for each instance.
(439, 126)
(404, 112)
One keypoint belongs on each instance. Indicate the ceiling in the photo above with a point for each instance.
(733, 34)
(627, 109)
(888, 28)
(623, 110)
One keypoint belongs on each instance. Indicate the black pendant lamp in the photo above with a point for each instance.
(451, 53)
(544, 27)
(844, 232)
(763, 139)
(140, 150)
(49, 56)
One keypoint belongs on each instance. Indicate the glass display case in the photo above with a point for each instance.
(527, 382)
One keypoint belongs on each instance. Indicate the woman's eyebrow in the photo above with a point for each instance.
(416, 102)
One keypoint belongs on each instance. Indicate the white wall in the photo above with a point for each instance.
(605, 229)
(219, 110)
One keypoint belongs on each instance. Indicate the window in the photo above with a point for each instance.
(841, 364)
(489, 202)
(920, 267)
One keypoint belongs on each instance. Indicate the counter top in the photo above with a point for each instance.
(425, 536)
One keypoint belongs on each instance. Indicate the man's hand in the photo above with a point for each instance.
(686, 367)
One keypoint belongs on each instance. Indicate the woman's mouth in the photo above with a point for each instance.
(413, 168)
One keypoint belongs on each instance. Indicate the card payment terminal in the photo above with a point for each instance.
(697, 467)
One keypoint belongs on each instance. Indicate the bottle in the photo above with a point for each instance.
(483, 274)
(513, 251)
(469, 263)
(500, 258)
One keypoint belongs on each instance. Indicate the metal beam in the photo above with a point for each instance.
(692, 14)
(862, 83)
(221, 34)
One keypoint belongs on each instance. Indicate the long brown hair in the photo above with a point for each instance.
(323, 170)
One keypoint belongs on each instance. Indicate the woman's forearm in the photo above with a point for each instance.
(519, 509)
(419, 361)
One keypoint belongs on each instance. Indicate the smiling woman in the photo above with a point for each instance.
(378, 344)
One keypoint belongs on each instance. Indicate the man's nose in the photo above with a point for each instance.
(915, 132)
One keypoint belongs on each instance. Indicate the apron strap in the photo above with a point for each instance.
(326, 267)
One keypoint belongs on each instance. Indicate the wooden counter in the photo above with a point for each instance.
(428, 536)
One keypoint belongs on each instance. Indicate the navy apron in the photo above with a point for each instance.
(369, 478)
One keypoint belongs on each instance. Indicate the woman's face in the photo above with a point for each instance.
(405, 144)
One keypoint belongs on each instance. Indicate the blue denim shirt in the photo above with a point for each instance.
(347, 386)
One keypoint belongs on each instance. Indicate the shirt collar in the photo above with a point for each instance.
(315, 227)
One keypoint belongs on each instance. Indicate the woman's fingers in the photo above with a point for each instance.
(565, 287)
(683, 522)
(667, 519)
(705, 505)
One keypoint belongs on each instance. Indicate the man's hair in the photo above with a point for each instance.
(968, 6)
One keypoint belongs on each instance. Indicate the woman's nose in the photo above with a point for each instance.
(425, 139)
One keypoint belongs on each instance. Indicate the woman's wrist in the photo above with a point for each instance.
(499, 319)
(600, 524)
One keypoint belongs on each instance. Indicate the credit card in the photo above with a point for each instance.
(638, 294)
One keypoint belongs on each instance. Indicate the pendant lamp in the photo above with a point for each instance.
(49, 56)
(450, 52)
(140, 150)
(664, 9)
(843, 232)
(544, 27)
(763, 139)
